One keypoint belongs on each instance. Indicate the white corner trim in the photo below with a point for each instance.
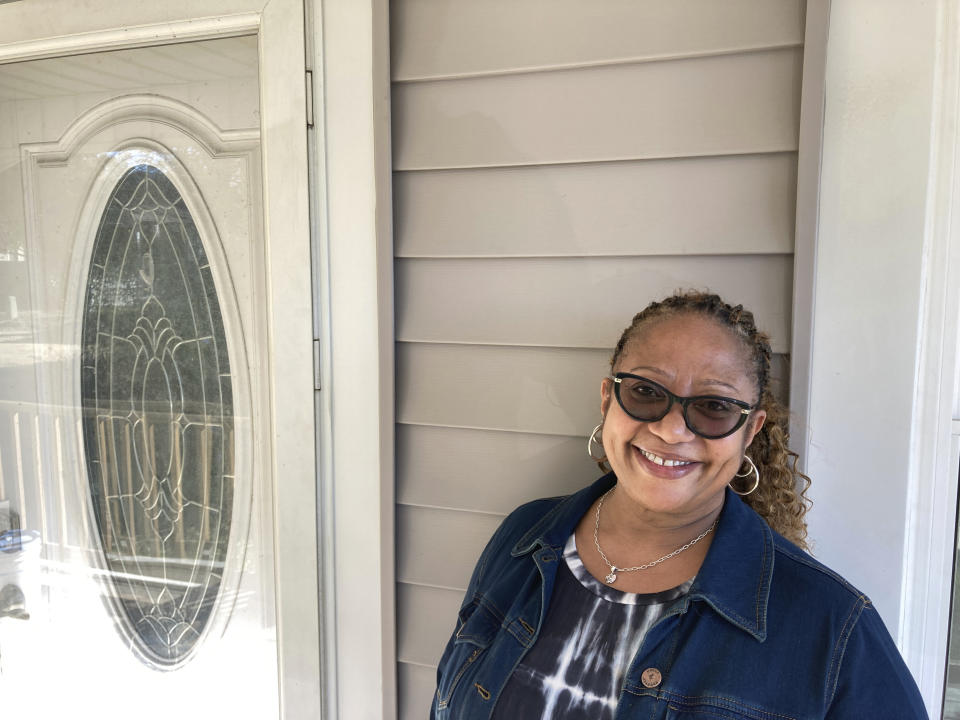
(930, 526)
(809, 155)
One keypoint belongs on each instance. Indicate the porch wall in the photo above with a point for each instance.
(556, 167)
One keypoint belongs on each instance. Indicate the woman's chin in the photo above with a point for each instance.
(668, 496)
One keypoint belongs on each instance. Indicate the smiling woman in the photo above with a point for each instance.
(728, 358)
(657, 591)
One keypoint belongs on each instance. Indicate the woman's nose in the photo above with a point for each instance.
(672, 427)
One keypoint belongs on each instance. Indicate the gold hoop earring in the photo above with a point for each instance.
(751, 471)
(600, 461)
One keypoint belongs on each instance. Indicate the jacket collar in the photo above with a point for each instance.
(553, 529)
(735, 577)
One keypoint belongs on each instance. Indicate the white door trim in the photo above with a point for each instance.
(930, 534)
(354, 296)
(290, 308)
(41, 28)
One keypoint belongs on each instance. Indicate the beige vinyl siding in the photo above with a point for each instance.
(552, 302)
(623, 208)
(690, 107)
(457, 38)
(495, 470)
(557, 165)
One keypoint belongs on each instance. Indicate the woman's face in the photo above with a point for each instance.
(689, 355)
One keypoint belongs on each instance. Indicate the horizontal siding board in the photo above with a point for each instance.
(487, 470)
(440, 547)
(739, 204)
(574, 302)
(425, 618)
(431, 38)
(538, 390)
(533, 390)
(415, 687)
(706, 106)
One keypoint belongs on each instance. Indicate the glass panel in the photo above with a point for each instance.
(135, 532)
(157, 420)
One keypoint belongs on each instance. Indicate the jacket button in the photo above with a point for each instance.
(651, 678)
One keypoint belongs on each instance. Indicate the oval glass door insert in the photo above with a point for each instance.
(157, 417)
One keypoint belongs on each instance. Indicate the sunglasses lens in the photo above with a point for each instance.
(713, 417)
(643, 400)
(709, 417)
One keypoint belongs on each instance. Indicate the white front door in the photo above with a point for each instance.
(157, 502)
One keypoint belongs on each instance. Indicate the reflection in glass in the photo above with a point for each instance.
(157, 416)
(951, 696)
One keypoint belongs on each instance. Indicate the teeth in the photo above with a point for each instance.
(660, 461)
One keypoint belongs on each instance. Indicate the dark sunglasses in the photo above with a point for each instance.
(709, 416)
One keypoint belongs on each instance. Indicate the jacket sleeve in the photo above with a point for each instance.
(870, 679)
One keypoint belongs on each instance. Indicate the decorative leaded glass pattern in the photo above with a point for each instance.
(157, 416)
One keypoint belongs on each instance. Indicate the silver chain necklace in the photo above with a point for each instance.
(611, 578)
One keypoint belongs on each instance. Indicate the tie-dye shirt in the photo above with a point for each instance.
(592, 631)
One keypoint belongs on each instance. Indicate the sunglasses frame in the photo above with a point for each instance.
(745, 408)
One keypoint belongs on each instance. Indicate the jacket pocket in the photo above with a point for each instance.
(476, 631)
(725, 709)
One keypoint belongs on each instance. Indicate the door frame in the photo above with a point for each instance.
(348, 53)
(41, 29)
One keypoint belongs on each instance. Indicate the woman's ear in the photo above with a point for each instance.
(757, 418)
(606, 396)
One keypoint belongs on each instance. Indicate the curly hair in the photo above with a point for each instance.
(780, 497)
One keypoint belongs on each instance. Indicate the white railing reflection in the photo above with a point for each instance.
(45, 495)
(62, 647)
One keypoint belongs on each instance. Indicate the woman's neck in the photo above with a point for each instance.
(630, 536)
(627, 521)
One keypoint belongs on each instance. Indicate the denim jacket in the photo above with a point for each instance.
(766, 632)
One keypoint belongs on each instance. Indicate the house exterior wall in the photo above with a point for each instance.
(550, 158)
(555, 169)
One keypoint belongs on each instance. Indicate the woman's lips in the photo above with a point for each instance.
(664, 467)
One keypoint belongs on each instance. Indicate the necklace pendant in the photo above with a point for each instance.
(611, 578)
